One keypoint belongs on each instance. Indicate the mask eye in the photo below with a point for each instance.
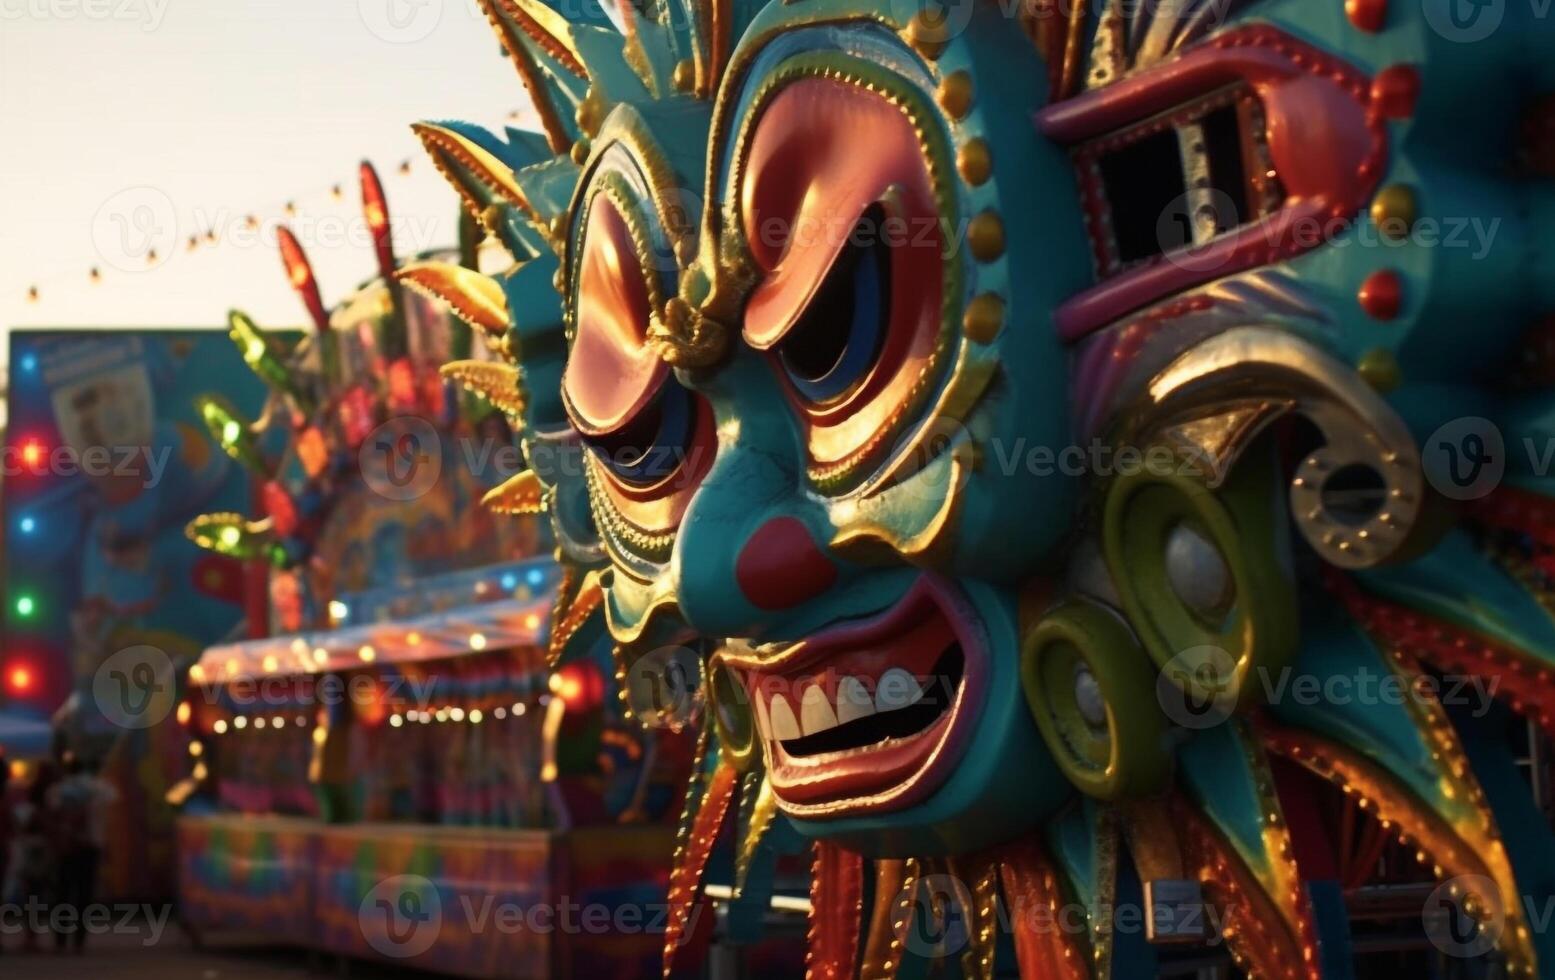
(653, 446)
(840, 335)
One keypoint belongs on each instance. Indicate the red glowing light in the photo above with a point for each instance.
(32, 452)
(19, 679)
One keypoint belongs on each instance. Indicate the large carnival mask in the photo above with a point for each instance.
(850, 350)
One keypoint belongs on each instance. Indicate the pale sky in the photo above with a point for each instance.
(131, 124)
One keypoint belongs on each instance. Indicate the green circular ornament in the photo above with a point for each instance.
(1091, 691)
(1200, 575)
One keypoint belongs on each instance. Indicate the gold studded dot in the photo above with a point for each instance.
(955, 94)
(985, 234)
(974, 162)
(590, 114)
(927, 35)
(580, 151)
(1394, 212)
(684, 77)
(984, 318)
(1379, 368)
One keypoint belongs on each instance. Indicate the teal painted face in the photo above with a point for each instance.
(843, 496)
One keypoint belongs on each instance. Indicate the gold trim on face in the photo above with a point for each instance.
(630, 545)
(624, 127)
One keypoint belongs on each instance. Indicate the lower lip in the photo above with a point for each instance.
(896, 773)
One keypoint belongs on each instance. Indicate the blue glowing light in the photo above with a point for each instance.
(509, 582)
(28, 525)
(536, 577)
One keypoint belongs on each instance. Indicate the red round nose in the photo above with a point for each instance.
(781, 566)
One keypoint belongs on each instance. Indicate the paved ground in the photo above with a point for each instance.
(174, 957)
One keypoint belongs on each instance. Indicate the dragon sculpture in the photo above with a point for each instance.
(1004, 412)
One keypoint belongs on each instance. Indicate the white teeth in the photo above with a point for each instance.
(784, 725)
(815, 712)
(763, 719)
(897, 689)
(853, 701)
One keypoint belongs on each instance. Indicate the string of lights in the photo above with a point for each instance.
(97, 274)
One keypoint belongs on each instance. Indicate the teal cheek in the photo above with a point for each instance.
(1005, 784)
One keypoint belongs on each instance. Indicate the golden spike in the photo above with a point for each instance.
(497, 383)
(547, 28)
(522, 494)
(445, 146)
(571, 611)
(529, 72)
(475, 298)
(763, 812)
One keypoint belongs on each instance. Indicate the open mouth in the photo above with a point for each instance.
(1246, 149)
(870, 714)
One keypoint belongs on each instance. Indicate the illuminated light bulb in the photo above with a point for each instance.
(477, 641)
(259, 722)
(220, 728)
(230, 537)
(367, 654)
(28, 525)
(442, 714)
(499, 713)
(320, 655)
(196, 749)
(277, 722)
(185, 712)
(531, 621)
(476, 717)
(269, 664)
(240, 722)
(200, 772)
(519, 709)
(339, 611)
(536, 577)
(455, 714)
(19, 679)
(395, 721)
(25, 605)
(413, 639)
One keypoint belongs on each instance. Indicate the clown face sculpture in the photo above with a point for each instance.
(1000, 402)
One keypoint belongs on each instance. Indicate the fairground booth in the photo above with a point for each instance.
(392, 746)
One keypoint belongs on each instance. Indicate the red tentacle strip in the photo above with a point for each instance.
(1048, 945)
(836, 910)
